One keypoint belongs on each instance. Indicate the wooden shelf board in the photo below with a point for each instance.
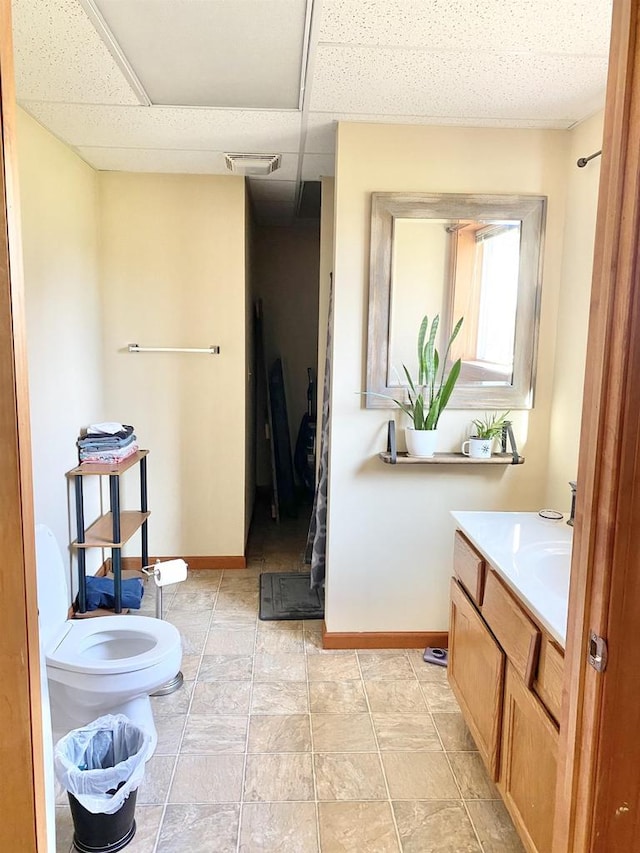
(100, 534)
(101, 469)
(450, 459)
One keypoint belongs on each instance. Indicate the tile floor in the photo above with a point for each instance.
(276, 746)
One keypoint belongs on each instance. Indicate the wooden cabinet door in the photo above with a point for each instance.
(476, 674)
(528, 764)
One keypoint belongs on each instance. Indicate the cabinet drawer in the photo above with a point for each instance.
(548, 683)
(476, 674)
(469, 567)
(511, 626)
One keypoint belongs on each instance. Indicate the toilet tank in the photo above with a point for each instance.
(53, 595)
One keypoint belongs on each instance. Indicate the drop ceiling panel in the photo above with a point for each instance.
(496, 26)
(252, 131)
(316, 166)
(405, 82)
(60, 57)
(212, 52)
(160, 160)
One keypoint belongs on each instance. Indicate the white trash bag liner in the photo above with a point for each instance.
(96, 759)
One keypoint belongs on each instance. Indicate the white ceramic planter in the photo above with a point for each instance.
(421, 442)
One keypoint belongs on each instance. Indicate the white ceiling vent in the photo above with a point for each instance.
(252, 164)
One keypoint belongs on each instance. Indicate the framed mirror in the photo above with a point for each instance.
(472, 256)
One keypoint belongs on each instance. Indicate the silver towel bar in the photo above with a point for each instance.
(212, 350)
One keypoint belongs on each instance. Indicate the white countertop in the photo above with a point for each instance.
(532, 555)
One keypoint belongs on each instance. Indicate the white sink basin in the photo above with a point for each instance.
(548, 563)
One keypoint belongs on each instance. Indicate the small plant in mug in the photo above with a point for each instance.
(490, 426)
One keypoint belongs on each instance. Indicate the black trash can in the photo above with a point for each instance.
(101, 767)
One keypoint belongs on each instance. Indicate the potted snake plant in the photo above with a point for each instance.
(429, 395)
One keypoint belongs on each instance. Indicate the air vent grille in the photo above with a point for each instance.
(252, 164)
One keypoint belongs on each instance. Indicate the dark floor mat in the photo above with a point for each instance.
(286, 595)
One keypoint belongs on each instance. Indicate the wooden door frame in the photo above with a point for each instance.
(23, 824)
(599, 766)
(599, 777)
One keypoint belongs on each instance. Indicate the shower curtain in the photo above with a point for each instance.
(317, 538)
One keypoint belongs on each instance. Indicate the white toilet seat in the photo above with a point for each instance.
(114, 644)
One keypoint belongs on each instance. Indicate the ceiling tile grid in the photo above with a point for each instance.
(60, 57)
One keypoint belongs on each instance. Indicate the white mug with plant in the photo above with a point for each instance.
(428, 397)
(486, 430)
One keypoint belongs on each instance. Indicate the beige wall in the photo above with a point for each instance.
(286, 278)
(573, 311)
(173, 274)
(64, 333)
(390, 534)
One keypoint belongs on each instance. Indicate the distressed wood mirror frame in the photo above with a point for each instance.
(385, 209)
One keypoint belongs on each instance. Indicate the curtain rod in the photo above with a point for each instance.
(212, 350)
(582, 162)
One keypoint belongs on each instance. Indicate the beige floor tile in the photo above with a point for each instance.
(279, 667)
(378, 666)
(147, 825)
(287, 626)
(223, 642)
(193, 639)
(399, 732)
(236, 601)
(454, 733)
(200, 829)
(337, 697)
(494, 827)
(434, 827)
(332, 667)
(233, 621)
(419, 776)
(189, 666)
(278, 777)
(174, 703)
(242, 583)
(215, 733)
(342, 733)
(279, 733)
(395, 697)
(204, 578)
(426, 671)
(280, 697)
(349, 776)
(226, 668)
(440, 698)
(157, 778)
(207, 779)
(64, 829)
(193, 601)
(169, 733)
(282, 827)
(280, 642)
(472, 777)
(221, 697)
(198, 620)
(357, 828)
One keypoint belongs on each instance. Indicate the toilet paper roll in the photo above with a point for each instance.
(173, 571)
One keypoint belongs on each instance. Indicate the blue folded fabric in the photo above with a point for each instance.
(101, 593)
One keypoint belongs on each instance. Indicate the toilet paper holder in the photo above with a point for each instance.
(155, 572)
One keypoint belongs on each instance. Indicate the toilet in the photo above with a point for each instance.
(102, 665)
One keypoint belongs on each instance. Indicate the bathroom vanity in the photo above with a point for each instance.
(509, 597)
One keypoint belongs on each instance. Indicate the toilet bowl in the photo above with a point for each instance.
(96, 666)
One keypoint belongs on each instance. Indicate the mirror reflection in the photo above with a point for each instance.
(457, 268)
(471, 256)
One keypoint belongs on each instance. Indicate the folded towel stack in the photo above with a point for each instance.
(107, 443)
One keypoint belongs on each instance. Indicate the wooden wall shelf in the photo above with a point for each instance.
(391, 456)
(449, 459)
